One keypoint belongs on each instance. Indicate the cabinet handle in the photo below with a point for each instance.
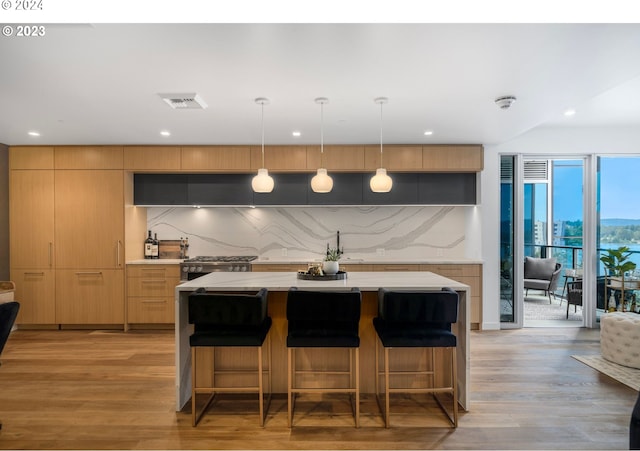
(88, 273)
(34, 273)
(154, 281)
(118, 253)
(154, 301)
(50, 254)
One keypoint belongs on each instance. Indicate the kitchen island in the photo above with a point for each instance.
(278, 283)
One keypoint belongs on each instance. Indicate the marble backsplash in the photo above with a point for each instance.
(292, 233)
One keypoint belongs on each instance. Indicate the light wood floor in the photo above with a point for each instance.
(115, 390)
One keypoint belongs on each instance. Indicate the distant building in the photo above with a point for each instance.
(559, 229)
(540, 232)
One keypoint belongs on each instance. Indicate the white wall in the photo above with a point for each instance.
(547, 141)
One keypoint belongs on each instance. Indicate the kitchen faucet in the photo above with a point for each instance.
(340, 251)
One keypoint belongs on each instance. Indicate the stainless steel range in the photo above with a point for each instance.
(199, 266)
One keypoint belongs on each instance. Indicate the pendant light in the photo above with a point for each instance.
(321, 182)
(381, 182)
(263, 182)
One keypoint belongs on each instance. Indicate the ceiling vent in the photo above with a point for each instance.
(188, 101)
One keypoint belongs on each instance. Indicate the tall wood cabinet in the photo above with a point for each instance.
(89, 234)
(31, 215)
(67, 234)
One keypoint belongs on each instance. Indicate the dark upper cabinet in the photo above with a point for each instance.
(220, 189)
(404, 190)
(447, 188)
(295, 189)
(288, 189)
(160, 189)
(347, 190)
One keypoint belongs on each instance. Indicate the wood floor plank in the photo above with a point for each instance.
(115, 390)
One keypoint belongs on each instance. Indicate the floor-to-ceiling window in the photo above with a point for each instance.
(618, 213)
(507, 236)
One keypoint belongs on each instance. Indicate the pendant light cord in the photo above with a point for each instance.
(262, 104)
(381, 165)
(321, 132)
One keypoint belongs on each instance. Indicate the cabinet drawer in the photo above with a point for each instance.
(153, 271)
(143, 286)
(396, 267)
(150, 310)
(89, 296)
(452, 271)
(355, 267)
(279, 268)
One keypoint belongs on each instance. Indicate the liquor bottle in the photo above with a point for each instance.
(155, 247)
(186, 247)
(148, 244)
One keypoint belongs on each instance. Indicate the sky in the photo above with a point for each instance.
(619, 190)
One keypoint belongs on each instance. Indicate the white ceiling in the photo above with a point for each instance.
(99, 84)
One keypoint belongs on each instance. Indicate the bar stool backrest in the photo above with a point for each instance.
(210, 310)
(436, 308)
(8, 314)
(331, 311)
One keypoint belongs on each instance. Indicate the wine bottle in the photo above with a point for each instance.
(155, 247)
(148, 243)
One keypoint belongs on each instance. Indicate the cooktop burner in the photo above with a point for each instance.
(223, 259)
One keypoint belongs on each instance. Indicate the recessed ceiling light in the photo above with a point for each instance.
(165, 133)
(34, 133)
(296, 134)
(570, 112)
(428, 133)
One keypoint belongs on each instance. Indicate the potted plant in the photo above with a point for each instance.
(330, 264)
(617, 263)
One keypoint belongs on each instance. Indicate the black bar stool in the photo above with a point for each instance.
(323, 319)
(416, 319)
(222, 320)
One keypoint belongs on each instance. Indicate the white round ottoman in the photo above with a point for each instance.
(620, 338)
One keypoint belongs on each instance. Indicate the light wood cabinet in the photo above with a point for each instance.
(150, 293)
(216, 158)
(152, 158)
(355, 267)
(89, 296)
(88, 157)
(336, 158)
(35, 289)
(277, 267)
(31, 217)
(396, 267)
(471, 275)
(452, 158)
(280, 158)
(30, 157)
(394, 158)
(89, 225)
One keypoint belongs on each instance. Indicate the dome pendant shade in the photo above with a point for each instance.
(263, 182)
(381, 182)
(321, 182)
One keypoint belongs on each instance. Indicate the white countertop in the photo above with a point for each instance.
(156, 261)
(282, 281)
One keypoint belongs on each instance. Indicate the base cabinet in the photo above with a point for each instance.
(90, 296)
(151, 293)
(35, 290)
